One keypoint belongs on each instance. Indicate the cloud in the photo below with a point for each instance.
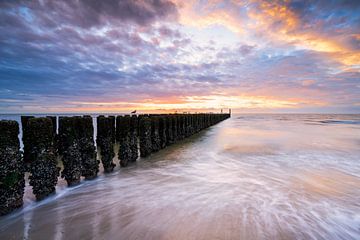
(90, 13)
(114, 55)
(308, 82)
(200, 14)
(319, 26)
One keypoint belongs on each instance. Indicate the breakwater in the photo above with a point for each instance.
(74, 146)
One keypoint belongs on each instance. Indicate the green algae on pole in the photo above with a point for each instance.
(12, 181)
(43, 169)
(105, 141)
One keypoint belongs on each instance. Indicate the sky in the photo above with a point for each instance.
(173, 55)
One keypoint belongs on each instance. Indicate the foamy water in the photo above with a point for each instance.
(249, 177)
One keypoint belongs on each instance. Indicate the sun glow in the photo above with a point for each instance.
(192, 103)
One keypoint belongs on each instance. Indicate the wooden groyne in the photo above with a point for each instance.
(74, 146)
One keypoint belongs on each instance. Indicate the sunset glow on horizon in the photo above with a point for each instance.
(173, 55)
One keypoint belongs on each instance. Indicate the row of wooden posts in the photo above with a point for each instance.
(74, 145)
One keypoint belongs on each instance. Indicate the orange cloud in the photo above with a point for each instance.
(209, 15)
(272, 18)
(280, 23)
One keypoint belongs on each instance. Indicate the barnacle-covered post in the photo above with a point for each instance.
(145, 136)
(105, 141)
(89, 163)
(155, 136)
(123, 136)
(169, 130)
(43, 164)
(26, 140)
(69, 149)
(162, 131)
(12, 181)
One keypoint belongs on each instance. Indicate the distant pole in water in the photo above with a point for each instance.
(230, 111)
(221, 110)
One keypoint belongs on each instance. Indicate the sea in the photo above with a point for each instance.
(253, 176)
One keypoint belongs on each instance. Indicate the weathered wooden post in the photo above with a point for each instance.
(12, 181)
(181, 127)
(25, 140)
(105, 141)
(196, 123)
(192, 124)
(53, 120)
(175, 127)
(188, 125)
(76, 145)
(178, 127)
(202, 121)
(89, 163)
(126, 135)
(183, 118)
(43, 169)
(199, 122)
(69, 149)
(134, 123)
(155, 137)
(145, 136)
(169, 130)
(162, 131)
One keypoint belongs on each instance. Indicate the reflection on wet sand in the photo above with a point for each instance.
(246, 178)
(327, 182)
(249, 149)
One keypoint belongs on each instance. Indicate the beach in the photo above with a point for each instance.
(253, 176)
